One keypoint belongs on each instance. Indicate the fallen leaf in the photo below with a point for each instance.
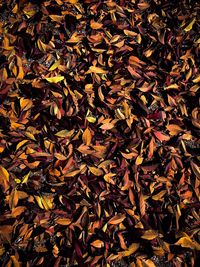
(55, 79)
(97, 243)
(117, 219)
(87, 137)
(149, 235)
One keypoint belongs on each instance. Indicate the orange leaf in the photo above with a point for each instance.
(97, 243)
(87, 137)
(174, 129)
(107, 126)
(95, 25)
(142, 205)
(63, 221)
(117, 219)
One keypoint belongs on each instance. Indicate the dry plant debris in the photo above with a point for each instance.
(99, 132)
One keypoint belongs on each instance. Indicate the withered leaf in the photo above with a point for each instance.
(117, 219)
(149, 235)
(97, 243)
(55, 79)
(87, 136)
(99, 132)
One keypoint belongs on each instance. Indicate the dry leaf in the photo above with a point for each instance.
(55, 79)
(87, 137)
(97, 243)
(117, 219)
(149, 235)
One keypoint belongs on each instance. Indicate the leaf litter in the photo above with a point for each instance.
(99, 133)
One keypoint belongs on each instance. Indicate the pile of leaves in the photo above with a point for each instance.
(99, 132)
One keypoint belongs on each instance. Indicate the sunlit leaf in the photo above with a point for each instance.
(55, 79)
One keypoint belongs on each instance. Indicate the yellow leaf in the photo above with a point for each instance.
(74, 38)
(148, 53)
(20, 73)
(130, 33)
(96, 171)
(4, 173)
(47, 202)
(186, 242)
(189, 27)
(172, 86)
(21, 144)
(30, 135)
(197, 79)
(29, 10)
(87, 137)
(6, 44)
(133, 247)
(139, 160)
(15, 9)
(149, 235)
(108, 178)
(63, 221)
(25, 103)
(25, 179)
(91, 119)
(42, 46)
(97, 243)
(55, 79)
(55, 65)
(117, 219)
(63, 133)
(39, 201)
(159, 195)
